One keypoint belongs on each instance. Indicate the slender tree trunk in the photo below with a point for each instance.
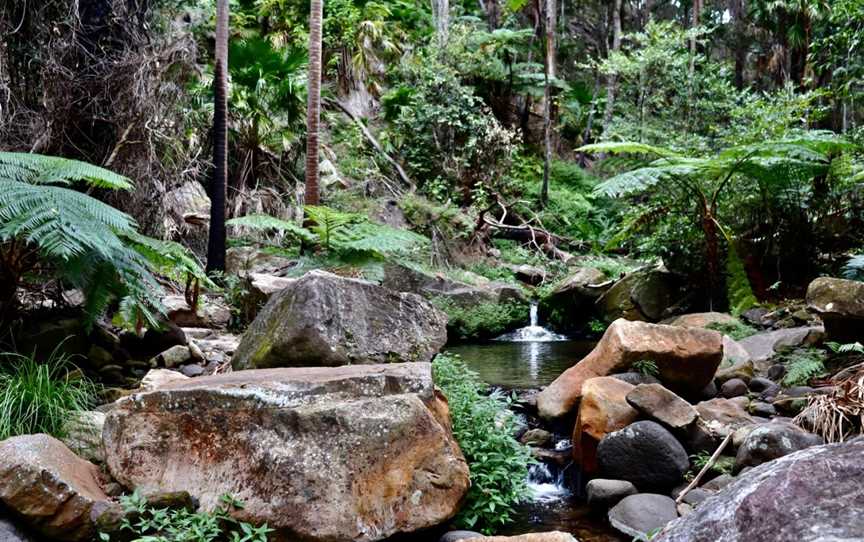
(738, 10)
(441, 19)
(219, 186)
(313, 107)
(549, 75)
(691, 72)
(612, 80)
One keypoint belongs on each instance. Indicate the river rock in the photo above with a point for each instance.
(536, 437)
(701, 319)
(49, 487)
(83, 435)
(764, 346)
(840, 304)
(603, 492)
(686, 359)
(326, 320)
(734, 387)
(662, 405)
(456, 536)
(813, 495)
(769, 441)
(645, 454)
(319, 454)
(211, 312)
(603, 409)
(724, 416)
(571, 303)
(642, 295)
(553, 536)
(640, 515)
(159, 378)
(403, 278)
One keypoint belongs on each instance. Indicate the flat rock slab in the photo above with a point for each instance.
(662, 405)
(813, 495)
(686, 360)
(764, 346)
(49, 487)
(640, 515)
(347, 453)
(325, 320)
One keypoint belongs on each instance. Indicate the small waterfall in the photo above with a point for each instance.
(545, 486)
(534, 332)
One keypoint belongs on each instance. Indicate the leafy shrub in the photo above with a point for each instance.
(802, 365)
(149, 524)
(482, 320)
(723, 464)
(854, 268)
(40, 397)
(484, 428)
(737, 330)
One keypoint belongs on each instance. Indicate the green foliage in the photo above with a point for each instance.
(149, 524)
(40, 397)
(738, 290)
(847, 348)
(266, 222)
(853, 269)
(802, 365)
(646, 367)
(484, 428)
(480, 320)
(90, 245)
(737, 330)
(723, 464)
(611, 267)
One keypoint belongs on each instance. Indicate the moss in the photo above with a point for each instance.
(482, 320)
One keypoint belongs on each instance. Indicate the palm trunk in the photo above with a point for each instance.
(219, 186)
(612, 81)
(739, 12)
(547, 106)
(313, 109)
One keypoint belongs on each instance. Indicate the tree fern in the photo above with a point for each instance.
(328, 222)
(89, 244)
(267, 222)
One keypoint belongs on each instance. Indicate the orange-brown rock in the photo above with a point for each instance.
(686, 359)
(603, 409)
(48, 486)
(345, 453)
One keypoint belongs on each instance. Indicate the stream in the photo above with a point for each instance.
(530, 358)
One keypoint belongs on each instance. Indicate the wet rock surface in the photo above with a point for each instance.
(645, 454)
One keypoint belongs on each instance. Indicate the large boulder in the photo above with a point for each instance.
(49, 487)
(764, 346)
(211, 312)
(645, 454)
(403, 278)
(603, 409)
(724, 416)
(769, 441)
(639, 516)
(812, 495)
(661, 405)
(326, 320)
(840, 303)
(701, 319)
(686, 360)
(571, 303)
(319, 454)
(642, 295)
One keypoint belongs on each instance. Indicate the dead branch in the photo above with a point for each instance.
(708, 465)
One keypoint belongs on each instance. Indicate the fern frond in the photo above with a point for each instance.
(167, 258)
(267, 222)
(40, 169)
(630, 147)
(378, 238)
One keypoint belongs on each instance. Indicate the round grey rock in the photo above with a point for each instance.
(760, 384)
(603, 492)
(772, 440)
(644, 453)
(641, 515)
(455, 536)
(733, 388)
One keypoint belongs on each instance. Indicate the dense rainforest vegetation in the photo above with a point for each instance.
(169, 167)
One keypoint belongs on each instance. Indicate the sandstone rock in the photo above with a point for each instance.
(554, 536)
(402, 278)
(49, 487)
(173, 357)
(327, 320)
(640, 515)
(603, 409)
(642, 295)
(320, 454)
(733, 352)
(724, 416)
(211, 312)
(645, 454)
(769, 441)
(809, 496)
(83, 435)
(701, 319)
(662, 405)
(529, 274)
(159, 378)
(734, 387)
(571, 302)
(536, 437)
(763, 346)
(840, 303)
(603, 492)
(686, 358)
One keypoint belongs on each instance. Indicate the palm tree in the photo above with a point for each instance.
(549, 75)
(313, 108)
(218, 188)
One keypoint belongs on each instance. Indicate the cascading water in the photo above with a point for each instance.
(533, 332)
(546, 486)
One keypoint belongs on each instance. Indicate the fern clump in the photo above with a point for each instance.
(803, 365)
(45, 224)
(737, 330)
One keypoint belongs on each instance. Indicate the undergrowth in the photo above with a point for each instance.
(481, 320)
(737, 330)
(484, 427)
(803, 365)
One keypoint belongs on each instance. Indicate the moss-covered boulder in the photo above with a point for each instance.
(647, 295)
(323, 319)
(571, 303)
